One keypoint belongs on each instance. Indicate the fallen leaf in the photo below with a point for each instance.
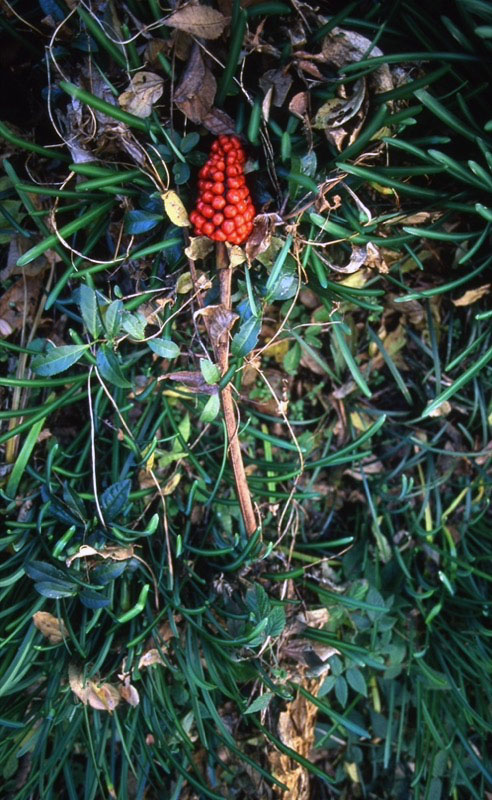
(18, 304)
(171, 484)
(199, 247)
(50, 626)
(198, 20)
(175, 209)
(442, 410)
(339, 110)
(280, 81)
(114, 553)
(357, 259)
(236, 255)
(144, 90)
(151, 657)
(299, 104)
(261, 235)
(195, 93)
(472, 295)
(219, 122)
(219, 319)
(104, 697)
(129, 693)
(194, 382)
(184, 284)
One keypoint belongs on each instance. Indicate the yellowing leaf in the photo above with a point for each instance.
(198, 21)
(472, 295)
(352, 771)
(53, 628)
(184, 283)
(171, 484)
(199, 247)
(103, 698)
(144, 90)
(175, 210)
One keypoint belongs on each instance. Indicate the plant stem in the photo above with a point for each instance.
(222, 353)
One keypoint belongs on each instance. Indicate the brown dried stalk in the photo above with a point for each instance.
(222, 354)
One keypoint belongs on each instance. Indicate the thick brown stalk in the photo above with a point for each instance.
(231, 422)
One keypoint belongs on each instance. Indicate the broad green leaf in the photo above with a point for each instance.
(58, 359)
(89, 310)
(114, 499)
(110, 369)
(246, 338)
(165, 348)
(211, 409)
(134, 325)
(260, 703)
(138, 221)
(210, 371)
(113, 317)
(54, 590)
(356, 680)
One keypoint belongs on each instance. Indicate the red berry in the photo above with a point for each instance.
(218, 219)
(207, 211)
(218, 188)
(208, 228)
(228, 226)
(230, 211)
(233, 197)
(218, 202)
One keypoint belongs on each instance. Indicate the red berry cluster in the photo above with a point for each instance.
(224, 210)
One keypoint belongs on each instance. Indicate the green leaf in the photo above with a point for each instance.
(276, 621)
(114, 499)
(54, 590)
(292, 359)
(341, 690)
(113, 317)
(58, 359)
(260, 703)
(165, 348)
(210, 371)
(89, 310)
(138, 221)
(246, 338)
(110, 369)
(356, 680)
(134, 325)
(211, 409)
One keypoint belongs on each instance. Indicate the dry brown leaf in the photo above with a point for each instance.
(194, 382)
(104, 697)
(281, 83)
(151, 657)
(296, 729)
(219, 319)
(236, 255)
(299, 104)
(472, 295)
(175, 209)
(129, 693)
(114, 553)
(261, 235)
(198, 20)
(195, 93)
(219, 122)
(18, 304)
(50, 626)
(144, 90)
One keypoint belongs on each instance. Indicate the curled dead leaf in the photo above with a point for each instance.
(50, 626)
(199, 247)
(195, 93)
(144, 90)
(151, 657)
(219, 319)
(299, 104)
(261, 235)
(128, 692)
(194, 381)
(198, 20)
(114, 553)
(472, 295)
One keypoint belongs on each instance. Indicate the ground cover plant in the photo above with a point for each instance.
(158, 639)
